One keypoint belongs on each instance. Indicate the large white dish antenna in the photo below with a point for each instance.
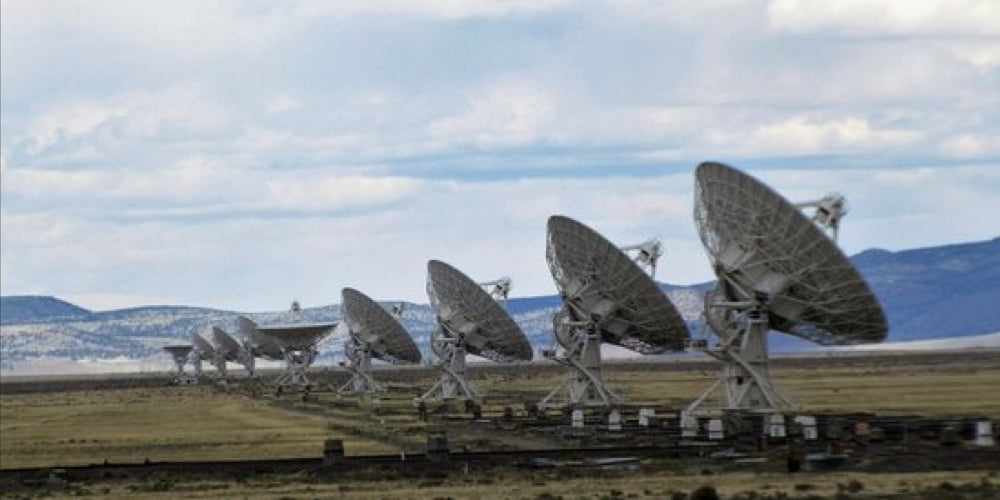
(373, 325)
(762, 246)
(297, 337)
(599, 282)
(203, 351)
(298, 349)
(777, 270)
(374, 333)
(260, 345)
(469, 321)
(225, 345)
(607, 297)
(465, 309)
(230, 349)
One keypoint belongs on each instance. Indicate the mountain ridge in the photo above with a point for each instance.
(943, 291)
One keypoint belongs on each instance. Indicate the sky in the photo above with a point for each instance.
(241, 154)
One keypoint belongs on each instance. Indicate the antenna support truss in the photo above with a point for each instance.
(499, 289)
(359, 364)
(584, 385)
(645, 254)
(581, 340)
(297, 363)
(742, 348)
(451, 362)
(828, 212)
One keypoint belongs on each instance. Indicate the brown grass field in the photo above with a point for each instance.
(62, 422)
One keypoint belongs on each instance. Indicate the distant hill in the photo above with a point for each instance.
(947, 291)
(33, 309)
(934, 292)
(944, 291)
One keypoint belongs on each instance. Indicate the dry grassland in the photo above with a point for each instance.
(169, 423)
(44, 429)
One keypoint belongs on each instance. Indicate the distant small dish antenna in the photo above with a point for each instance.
(470, 321)
(607, 297)
(297, 343)
(203, 351)
(256, 343)
(181, 355)
(228, 349)
(776, 269)
(374, 333)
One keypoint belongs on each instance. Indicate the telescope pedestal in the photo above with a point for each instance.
(584, 386)
(360, 366)
(297, 363)
(453, 381)
(745, 376)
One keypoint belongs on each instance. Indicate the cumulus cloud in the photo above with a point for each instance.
(814, 136)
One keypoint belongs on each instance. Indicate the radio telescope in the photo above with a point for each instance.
(469, 321)
(203, 351)
(776, 270)
(374, 334)
(256, 343)
(606, 297)
(297, 344)
(228, 349)
(180, 354)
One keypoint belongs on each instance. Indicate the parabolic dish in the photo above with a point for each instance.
(178, 350)
(261, 344)
(297, 337)
(202, 347)
(373, 325)
(763, 246)
(460, 302)
(590, 270)
(225, 344)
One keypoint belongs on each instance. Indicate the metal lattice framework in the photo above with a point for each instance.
(470, 321)
(607, 297)
(777, 270)
(374, 334)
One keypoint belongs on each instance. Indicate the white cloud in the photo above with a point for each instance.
(808, 136)
(325, 192)
(104, 125)
(960, 18)
(286, 149)
(281, 103)
(971, 145)
(505, 114)
(448, 9)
